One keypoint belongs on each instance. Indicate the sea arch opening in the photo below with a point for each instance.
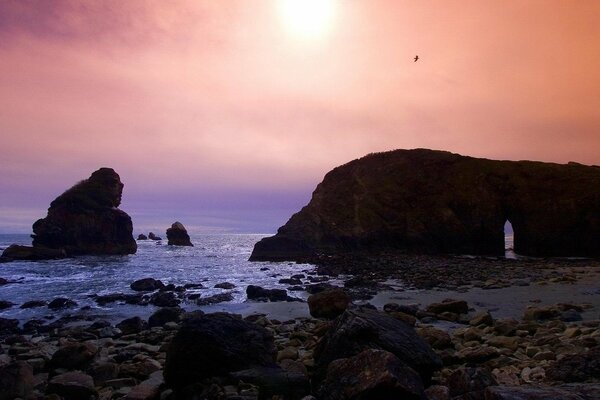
(509, 240)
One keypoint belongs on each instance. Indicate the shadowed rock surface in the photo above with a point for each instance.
(427, 201)
(85, 219)
(356, 331)
(213, 345)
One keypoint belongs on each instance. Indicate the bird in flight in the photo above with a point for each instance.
(416, 58)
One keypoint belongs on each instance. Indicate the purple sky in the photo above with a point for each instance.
(218, 114)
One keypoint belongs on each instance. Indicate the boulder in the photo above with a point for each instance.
(579, 392)
(164, 299)
(85, 219)
(275, 381)
(357, 330)
(214, 299)
(258, 293)
(328, 303)
(470, 383)
(213, 345)
(436, 338)
(225, 285)
(72, 386)
(132, 325)
(482, 318)
(60, 303)
(178, 236)
(164, 315)
(576, 367)
(17, 252)
(74, 356)
(371, 375)
(16, 381)
(433, 202)
(141, 236)
(34, 304)
(449, 305)
(4, 304)
(146, 285)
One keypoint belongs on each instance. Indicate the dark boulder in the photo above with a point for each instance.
(449, 305)
(132, 325)
(34, 304)
(141, 236)
(213, 345)
(225, 285)
(60, 303)
(4, 304)
(357, 330)
(17, 252)
(146, 285)
(274, 381)
(85, 219)
(164, 299)
(427, 201)
(72, 386)
(74, 356)
(261, 294)
(164, 315)
(16, 381)
(371, 375)
(470, 383)
(576, 367)
(328, 303)
(178, 236)
(575, 392)
(214, 299)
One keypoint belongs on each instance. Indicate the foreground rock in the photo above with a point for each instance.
(371, 375)
(453, 204)
(177, 235)
(356, 331)
(328, 303)
(85, 219)
(214, 345)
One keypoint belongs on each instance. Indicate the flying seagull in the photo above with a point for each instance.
(416, 58)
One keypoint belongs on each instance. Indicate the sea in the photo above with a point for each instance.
(215, 258)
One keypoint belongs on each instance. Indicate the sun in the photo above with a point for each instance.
(307, 19)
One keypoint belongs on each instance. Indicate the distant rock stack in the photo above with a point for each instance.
(178, 236)
(141, 236)
(152, 236)
(85, 219)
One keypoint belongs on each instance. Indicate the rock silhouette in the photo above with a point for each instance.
(177, 235)
(435, 202)
(85, 219)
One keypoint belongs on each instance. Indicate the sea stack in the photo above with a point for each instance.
(436, 202)
(86, 220)
(177, 235)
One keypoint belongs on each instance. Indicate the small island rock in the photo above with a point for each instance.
(178, 236)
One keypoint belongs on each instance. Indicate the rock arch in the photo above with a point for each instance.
(427, 201)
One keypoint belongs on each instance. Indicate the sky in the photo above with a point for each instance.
(226, 114)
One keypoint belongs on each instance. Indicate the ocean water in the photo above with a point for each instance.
(215, 258)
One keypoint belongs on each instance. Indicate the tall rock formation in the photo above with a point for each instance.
(85, 219)
(426, 201)
(177, 235)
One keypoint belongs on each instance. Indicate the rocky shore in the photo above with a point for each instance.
(349, 352)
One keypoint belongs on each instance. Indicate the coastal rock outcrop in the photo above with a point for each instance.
(177, 235)
(85, 219)
(426, 201)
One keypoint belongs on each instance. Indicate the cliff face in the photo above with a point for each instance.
(426, 201)
(85, 219)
